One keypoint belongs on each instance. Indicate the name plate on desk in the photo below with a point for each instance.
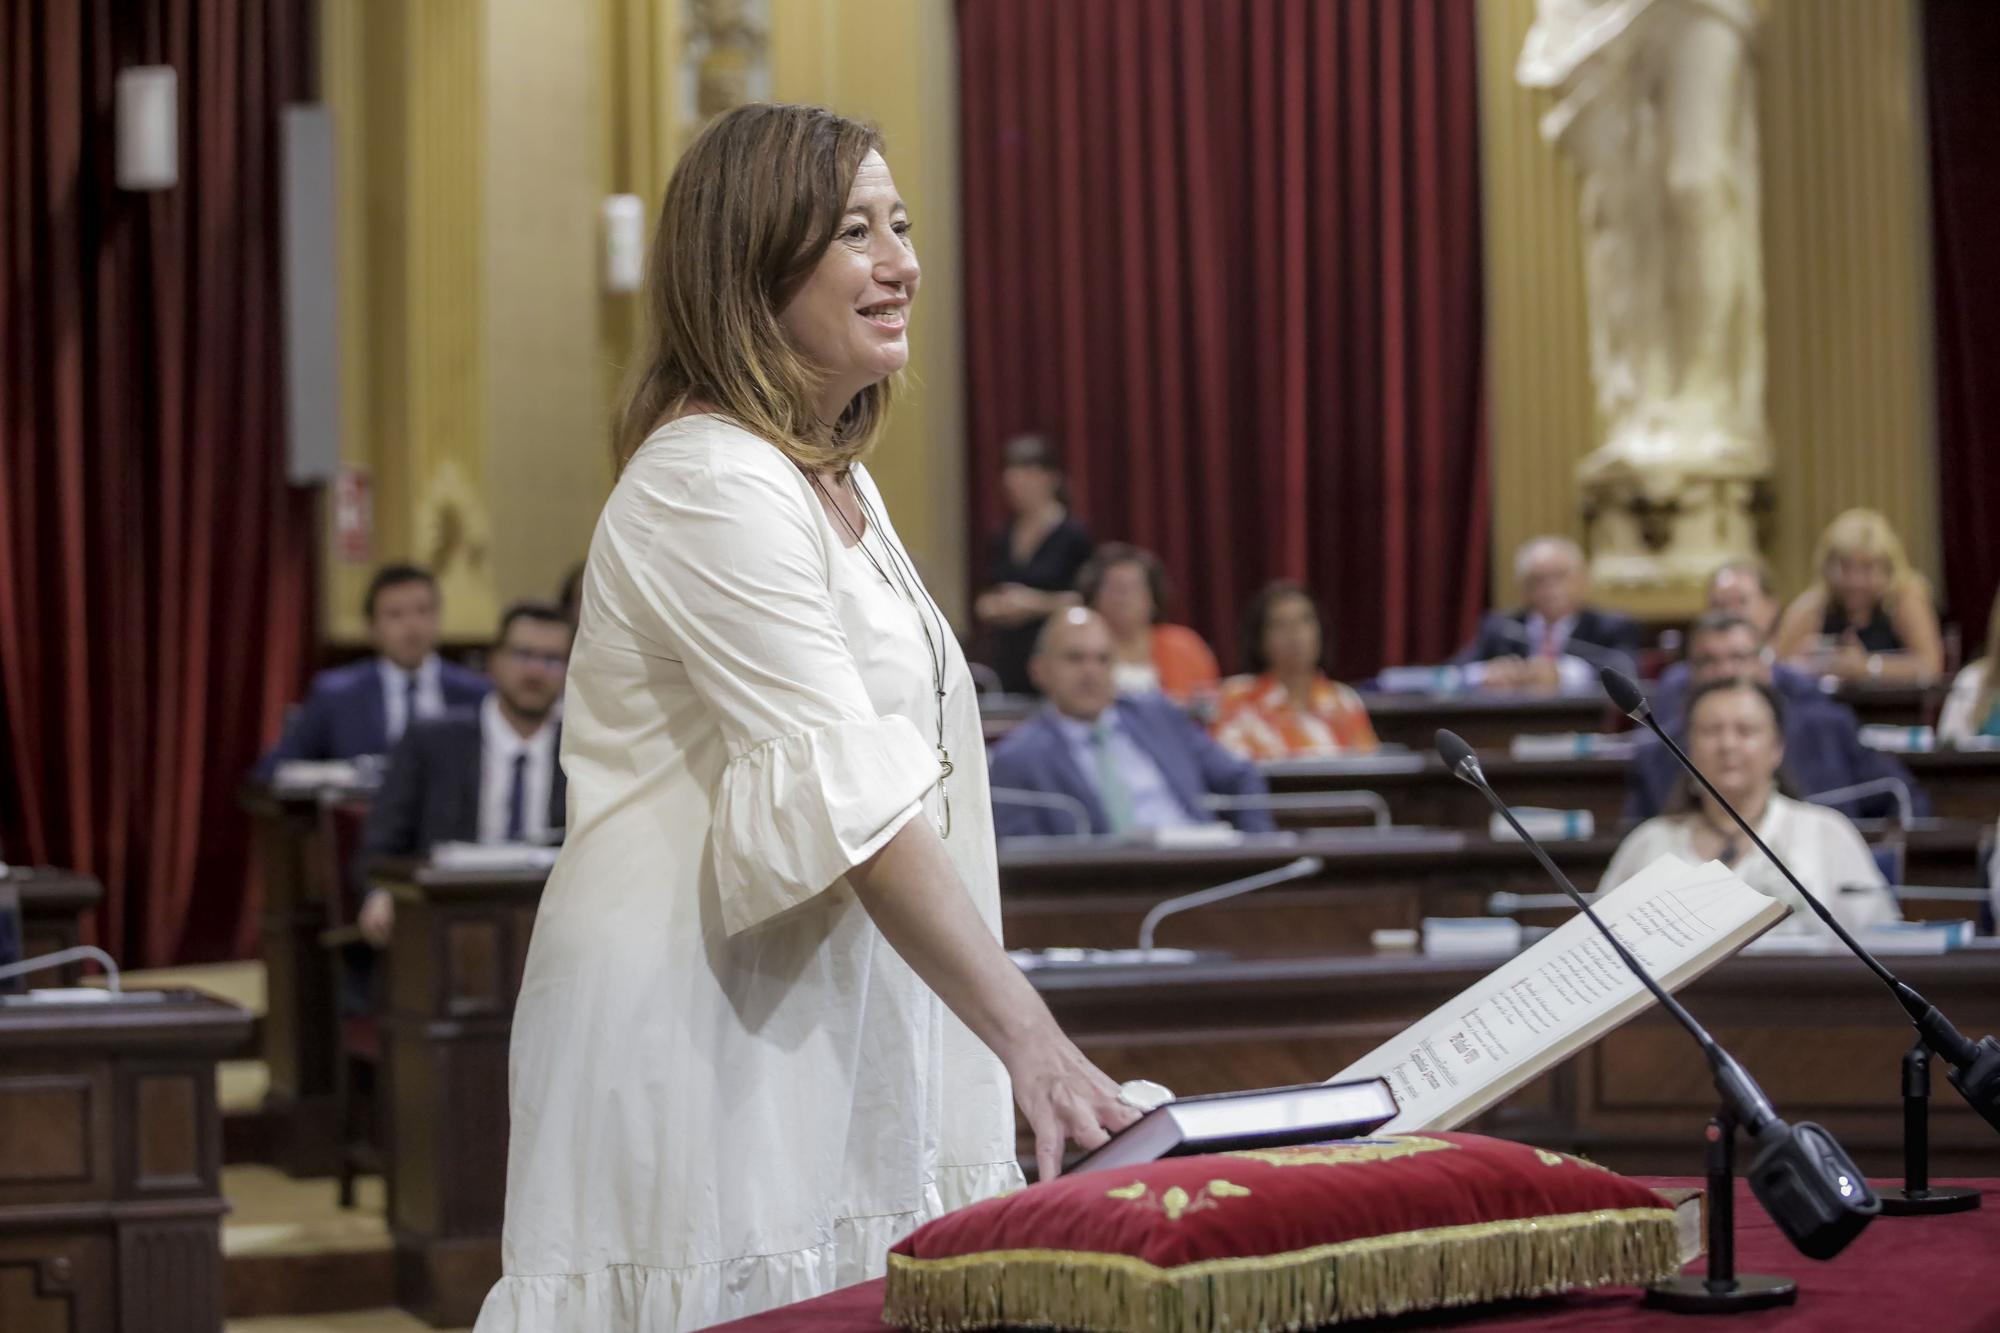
(1260, 1118)
(499, 857)
(81, 995)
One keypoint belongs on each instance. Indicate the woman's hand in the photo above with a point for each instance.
(1064, 1097)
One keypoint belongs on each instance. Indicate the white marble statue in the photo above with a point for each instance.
(1655, 105)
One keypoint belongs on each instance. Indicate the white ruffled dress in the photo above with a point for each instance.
(728, 1091)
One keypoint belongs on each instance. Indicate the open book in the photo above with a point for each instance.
(1562, 994)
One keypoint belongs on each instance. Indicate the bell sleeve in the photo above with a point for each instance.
(816, 781)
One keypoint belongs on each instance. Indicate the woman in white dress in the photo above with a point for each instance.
(1736, 736)
(766, 1025)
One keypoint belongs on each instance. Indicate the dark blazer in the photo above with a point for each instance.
(1823, 751)
(430, 793)
(1035, 756)
(1601, 638)
(344, 713)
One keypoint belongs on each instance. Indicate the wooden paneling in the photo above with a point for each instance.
(168, 1130)
(45, 1125)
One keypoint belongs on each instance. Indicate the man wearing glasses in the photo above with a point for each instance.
(1823, 749)
(488, 774)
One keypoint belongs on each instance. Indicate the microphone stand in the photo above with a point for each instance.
(1975, 1066)
(1818, 1198)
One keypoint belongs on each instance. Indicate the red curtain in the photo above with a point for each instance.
(155, 568)
(1228, 254)
(1961, 55)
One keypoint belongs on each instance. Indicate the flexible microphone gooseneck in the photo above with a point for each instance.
(1975, 1066)
(1802, 1176)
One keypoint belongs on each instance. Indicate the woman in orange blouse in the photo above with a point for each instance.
(1286, 708)
(1127, 585)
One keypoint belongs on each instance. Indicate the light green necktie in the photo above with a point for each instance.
(1111, 787)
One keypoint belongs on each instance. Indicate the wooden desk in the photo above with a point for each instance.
(454, 972)
(53, 905)
(1094, 895)
(1821, 1035)
(1892, 705)
(1487, 721)
(462, 937)
(110, 1146)
(301, 1135)
(1961, 784)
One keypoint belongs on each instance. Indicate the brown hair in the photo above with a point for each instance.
(1686, 796)
(752, 206)
(1090, 579)
(1250, 642)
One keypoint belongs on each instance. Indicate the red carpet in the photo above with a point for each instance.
(1934, 1274)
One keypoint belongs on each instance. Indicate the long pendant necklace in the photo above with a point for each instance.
(906, 583)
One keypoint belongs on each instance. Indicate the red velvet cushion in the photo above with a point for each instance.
(1288, 1238)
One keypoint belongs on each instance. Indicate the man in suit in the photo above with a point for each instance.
(1135, 763)
(1823, 749)
(1746, 590)
(364, 707)
(487, 774)
(1555, 641)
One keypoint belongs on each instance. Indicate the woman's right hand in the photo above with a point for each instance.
(1064, 1097)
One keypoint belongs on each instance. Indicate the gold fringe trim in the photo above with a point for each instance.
(1302, 1289)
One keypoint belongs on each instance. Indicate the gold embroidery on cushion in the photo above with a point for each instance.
(1177, 1202)
(1548, 1158)
(1345, 1154)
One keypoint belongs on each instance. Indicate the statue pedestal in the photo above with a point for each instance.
(1662, 514)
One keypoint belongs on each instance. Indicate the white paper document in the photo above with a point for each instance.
(1557, 997)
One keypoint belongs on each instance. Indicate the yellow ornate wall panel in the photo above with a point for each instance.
(1542, 413)
(444, 308)
(1846, 260)
(405, 83)
(549, 165)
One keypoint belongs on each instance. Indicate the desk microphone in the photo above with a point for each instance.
(1809, 1186)
(1975, 1066)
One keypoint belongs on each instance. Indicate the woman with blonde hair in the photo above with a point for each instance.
(765, 1025)
(1972, 709)
(1869, 616)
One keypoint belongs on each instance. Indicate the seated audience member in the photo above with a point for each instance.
(1973, 706)
(1748, 591)
(1823, 749)
(1555, 641)
(1032, 563)
(1870, 615)
(1128, 587)
(489, 774)
(1286, 707)
(1735, 736)
(1136, 763)
(364, 707)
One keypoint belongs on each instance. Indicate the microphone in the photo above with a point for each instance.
(82, 953)
(1304, 867)
(1802, 1177)
(1974, 1066)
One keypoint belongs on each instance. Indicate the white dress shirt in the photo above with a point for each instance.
(1821, 846)
(395, 693)
(499, 743)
